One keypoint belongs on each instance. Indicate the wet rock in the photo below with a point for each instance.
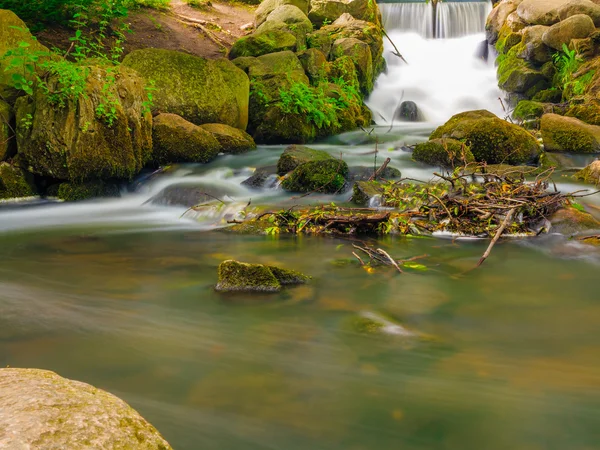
(15, 182)
(296, 155)
(42, 410)
(570, 221)
(540, 12)
(443, 152)
(363, 173)
(267, 6)
(190, 195)
(7, 137)
(237, 276)
(591, 174)
(372, 323)
(579, 26)
(262, 178)
(177, 140)
(364, 193)
(407, 112)
(232, 140)
(199, 90)
(483, 50)
(489, 138)
(568, 134)
(325, 176)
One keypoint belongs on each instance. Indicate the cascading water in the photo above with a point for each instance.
(443, 76)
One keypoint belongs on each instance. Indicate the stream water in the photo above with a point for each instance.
(119, 293)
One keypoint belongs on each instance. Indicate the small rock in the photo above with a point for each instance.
(591, 174)
(237, 276)
(262, 178)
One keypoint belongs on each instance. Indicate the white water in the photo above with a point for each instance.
(461, 19)
(417, 17)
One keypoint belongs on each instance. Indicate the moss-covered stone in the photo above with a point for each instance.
(570, 221)
(75, 142)
(533, 49)
(568, 134)
(267, 6)
(490, 139)
(296, 155)
(73, 192)
(443, 152)
(528, 110)
(298, 30)
(360, 54)
(518, 75)
(177, 140)
(364, 191)
(235, 276)
(15, 182)
(45, 411)
(588, 111)
(232, 140)
(327, 11)
(7, 138)
(199, 90)
(315, 65)
(551, 95)
(282, 127)
(327, 176)
(262, 43)
(590, 174)
(579, 26)
(507, 39)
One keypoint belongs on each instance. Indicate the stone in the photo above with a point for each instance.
(365, 173)
(267, 6)
(295, 155)
(590, 174)
(74, 142)
(263, 42)
(15, 182)
(408, 111)
(528, 110)
(571, 221)
(326, 176)
(579, 26)
(360, 54)
(176, 140)
(290, 15)
(7, 137)
(497, 18)
(231, 140)
(43, 410)
(534, 49)
(575, 7)
(365, 192)
(315, 65)
(443, 152)
(198, 89)
(490, 139)
(298, 30)
(540, 12)
(235, 276)
(568, 134)
(72, 192)
(262, 178)
(322, 11)
(519, 76)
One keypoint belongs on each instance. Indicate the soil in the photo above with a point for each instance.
(178, 28)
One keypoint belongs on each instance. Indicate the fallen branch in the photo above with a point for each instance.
(503, 226)
(397, 52)
(380, 170)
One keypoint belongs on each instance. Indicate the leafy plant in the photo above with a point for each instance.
(568, 63)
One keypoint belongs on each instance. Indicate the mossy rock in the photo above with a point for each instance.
(551, 95)
(570, 221)
(519, 76)
(490, 139)
(199, 90)
(7, 137)
(296, 155)
(15, 182)
(528, 110)
(73, 142)
(43, 410)
(177, 140)
(568, 134)
(315, 65)
(92, 189)
(507, 40)
(588, 111)
(281, 127)
(590, 174)
(298, 30)
(262, 43)
(266, 7)
(533, 49)
(327, 176)
(279, 63)
(235, 276)
(579, 26)
(443, 152)
(360, 54)
(327, 11)
(364, 191)
(231, 140)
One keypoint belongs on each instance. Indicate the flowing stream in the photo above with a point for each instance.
(119, 293)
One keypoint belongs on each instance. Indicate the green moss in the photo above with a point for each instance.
(590, 174)
(516, 74)
(589, 112)
(231, 140)
(328, 176)
(443, 152)
(15, 182)
(364, 191)
(528, 110)
(366, 325)
(73, 192)
(449, 127)
(295, 155)
(262, 43)
(288, 277)
(507, 39)
(551, 95)
(239, 276)
(567, 134)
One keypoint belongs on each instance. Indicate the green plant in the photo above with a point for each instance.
(27, 121)
(149, 103)
(568, 63)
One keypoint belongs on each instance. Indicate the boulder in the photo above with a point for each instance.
(360, 54)
(74, 142)
(552, 95)
(570, 221)
(267, 6)
(365, 173)
(298, 30)
(326, 176)
(534, 49)
(407, 112)
(13, 35)
(322, 11)
(540, 12)
(490, 139)
(263, 177)
(568, 134)
(588, 112)
(72, 192)
(199, 90)
(231, 140)
(575, 7)
(235, 276)
(519, 76)
(515, 23)
(263, 42)
(591, 173)
(296, 155)
(42, 410)
(443, 152)
(15, 182)
(177, 140)
(579, 26)
(497, 18)
(315, 65)
(7, 137)
(290, 15)
(529, 110)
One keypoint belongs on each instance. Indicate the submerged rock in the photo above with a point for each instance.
(42, 410)
(407, 112)
(568, 134)
(263, 177)
(235, 276)
(591, 174)
(443, 152)
(571, 220)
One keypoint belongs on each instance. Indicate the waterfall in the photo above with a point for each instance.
(442, 20)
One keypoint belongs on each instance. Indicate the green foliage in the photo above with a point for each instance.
(567, 63)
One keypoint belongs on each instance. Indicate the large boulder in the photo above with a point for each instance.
(490, 139)
(267, 6)
(360, 54)
(322, 11)
(568, 134)
(579, 26)
(7, 138)
(177, 140)
(315, 65)
(15, 182)
(287, 18)
(231, 140)
(497, 18)
(590, 174)
(540, 12)
(199, 90)
(520, 76)
(75, 142)
(264, 42)
(533, 48)
(14, 36)
(42, 410)
(235, 276)
(574, 7)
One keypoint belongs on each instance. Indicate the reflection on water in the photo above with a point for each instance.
(510, 358)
